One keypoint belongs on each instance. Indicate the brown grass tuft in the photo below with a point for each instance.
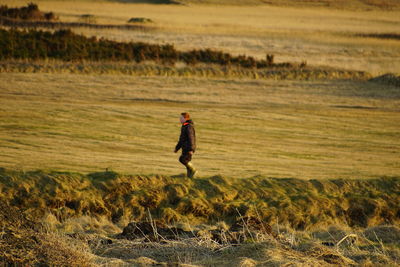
(25, 242)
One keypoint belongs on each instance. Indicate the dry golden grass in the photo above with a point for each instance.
(85, 123)
(322, 36)
(76, 228)
(332, 4)
(85, 203)
(180, 69)
(23, 242)
(245, 127)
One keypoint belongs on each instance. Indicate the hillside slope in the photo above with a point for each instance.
(122, 198)
(70, 219)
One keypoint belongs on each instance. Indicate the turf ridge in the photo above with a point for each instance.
(300, 204)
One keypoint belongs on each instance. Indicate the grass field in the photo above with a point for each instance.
(87, 147)
(88, 123)
(319, 35)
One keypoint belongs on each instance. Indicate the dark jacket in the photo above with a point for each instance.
(187, 140)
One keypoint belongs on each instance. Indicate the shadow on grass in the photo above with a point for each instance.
(103, 176)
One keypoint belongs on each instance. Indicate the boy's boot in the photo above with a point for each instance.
(191, 171)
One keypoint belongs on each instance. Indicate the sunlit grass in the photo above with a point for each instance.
(321, 36)
(245, 127)
(116, 120)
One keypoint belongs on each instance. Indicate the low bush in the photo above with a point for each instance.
(87, 18)
(68, 46)
(140, 20)
(29, 12)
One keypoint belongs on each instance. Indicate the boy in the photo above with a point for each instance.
(187, 141)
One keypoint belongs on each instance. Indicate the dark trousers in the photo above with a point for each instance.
(185, 158)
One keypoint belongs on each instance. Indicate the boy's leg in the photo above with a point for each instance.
(185, 159)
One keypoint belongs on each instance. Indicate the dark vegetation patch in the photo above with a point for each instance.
(29, 12)
(243, 230)
(354, 107)
(385, 36)
(68, 46)
(139, 20)
(389, 79)
(85, 21)
(88, 18)
(31, 17)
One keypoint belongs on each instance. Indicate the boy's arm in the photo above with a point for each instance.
(179, 144)
(192, 138)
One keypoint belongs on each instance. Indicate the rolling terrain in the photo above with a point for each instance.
(339, 38)
(298, 158)
(81, 122)
(202, 222)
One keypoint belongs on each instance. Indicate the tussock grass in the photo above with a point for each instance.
(121, 198)
(109, 196)
(23, 241)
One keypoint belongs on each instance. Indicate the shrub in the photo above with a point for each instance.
(140, 20)
(87, 18)
(270, 59)
(30, 12)
(68, 46)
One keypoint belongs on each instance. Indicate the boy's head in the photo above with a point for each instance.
(184, 117)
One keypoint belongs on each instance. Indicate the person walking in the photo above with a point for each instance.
(187, 142)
